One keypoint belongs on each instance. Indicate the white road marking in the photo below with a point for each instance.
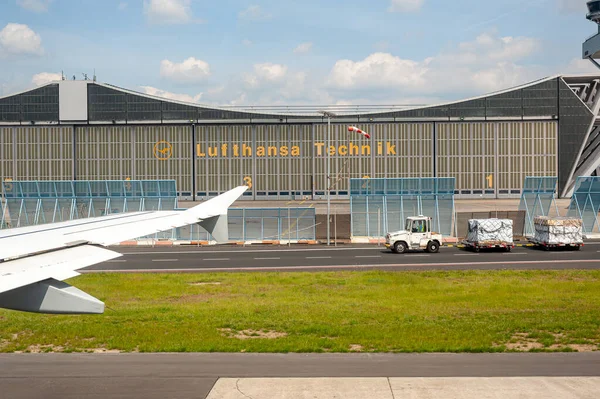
(380, 266)
(250, 251)
(466, 254)
(368, 256)
(515, 253)
(266, 258)
(215, 259)
(165, 260)
(318, 257)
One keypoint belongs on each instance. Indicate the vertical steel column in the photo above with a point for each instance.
(368, 215)
(351, 218)
(313, 158)
(193, 156)
(3, 207)
(434, 149)
(14, 155)
(20, 213)
(328, 179)
(74, 152)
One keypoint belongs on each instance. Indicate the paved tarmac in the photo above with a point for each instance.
(150, 376)
(303, 258)
(315, 376)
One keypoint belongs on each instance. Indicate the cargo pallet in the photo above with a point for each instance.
(477, 246)
(547, 246)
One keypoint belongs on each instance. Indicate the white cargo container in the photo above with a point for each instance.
(490, 233)
(557, 232)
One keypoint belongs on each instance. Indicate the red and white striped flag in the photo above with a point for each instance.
(357, 130)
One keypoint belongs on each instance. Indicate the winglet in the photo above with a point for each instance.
(218, 227)
(212, 214)
(218, 205)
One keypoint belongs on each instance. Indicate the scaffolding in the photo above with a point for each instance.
(585, 203)
(538, 199)
(381, 205)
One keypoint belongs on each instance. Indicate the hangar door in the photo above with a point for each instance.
(492, 159)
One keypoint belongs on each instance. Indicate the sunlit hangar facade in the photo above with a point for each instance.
(85, 130)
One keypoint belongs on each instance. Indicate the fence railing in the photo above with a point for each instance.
(585, 203)
(381, 205)
(537, 199)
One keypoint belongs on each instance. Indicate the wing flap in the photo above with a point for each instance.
(58, 265)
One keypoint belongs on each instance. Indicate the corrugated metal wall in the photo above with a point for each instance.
(286, 161)
(36, 153)
(137, 153)
(493, 158)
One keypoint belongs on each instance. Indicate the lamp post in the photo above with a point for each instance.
(329, 115)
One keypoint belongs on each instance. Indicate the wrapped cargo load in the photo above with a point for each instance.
(558, 230)
(488, 231)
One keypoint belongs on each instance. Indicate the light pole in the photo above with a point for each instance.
(354, 129)
(329, 115)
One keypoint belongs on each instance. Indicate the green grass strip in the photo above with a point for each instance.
(470, 311)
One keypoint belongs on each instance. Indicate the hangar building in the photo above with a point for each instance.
(85, 130)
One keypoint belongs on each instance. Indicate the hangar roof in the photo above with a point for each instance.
(89, 102)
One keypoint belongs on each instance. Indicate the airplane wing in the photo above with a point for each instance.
(34, 260)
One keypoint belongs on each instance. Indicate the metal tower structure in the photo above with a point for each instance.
(591, 47)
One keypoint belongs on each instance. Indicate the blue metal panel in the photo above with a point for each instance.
(537, 199)
(29, 203)
(381, 205)
(585, 203)
(38, 202)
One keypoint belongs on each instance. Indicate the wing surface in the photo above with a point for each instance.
(108, 230)
(59, 265)
(35, 259)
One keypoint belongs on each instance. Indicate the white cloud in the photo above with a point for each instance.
(153, 91)
(254, 13)
(247, 42)
(377, 70)
(168, 12)
(490, 46)
(35, 5)
(485, 64)
(405, 5)
(20, 39)
(42, 78)
(303, 48)
(122, 5)
(408, 101)
(215, 90)
(266, 73)
(269, 84)
(579, 66)
(189, 71)
(278, 85)
(488, 63)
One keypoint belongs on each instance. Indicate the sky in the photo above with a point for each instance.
(285, 52)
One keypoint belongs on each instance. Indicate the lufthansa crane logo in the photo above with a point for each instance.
(163, 150)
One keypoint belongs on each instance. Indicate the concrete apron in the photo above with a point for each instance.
(413, 388)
